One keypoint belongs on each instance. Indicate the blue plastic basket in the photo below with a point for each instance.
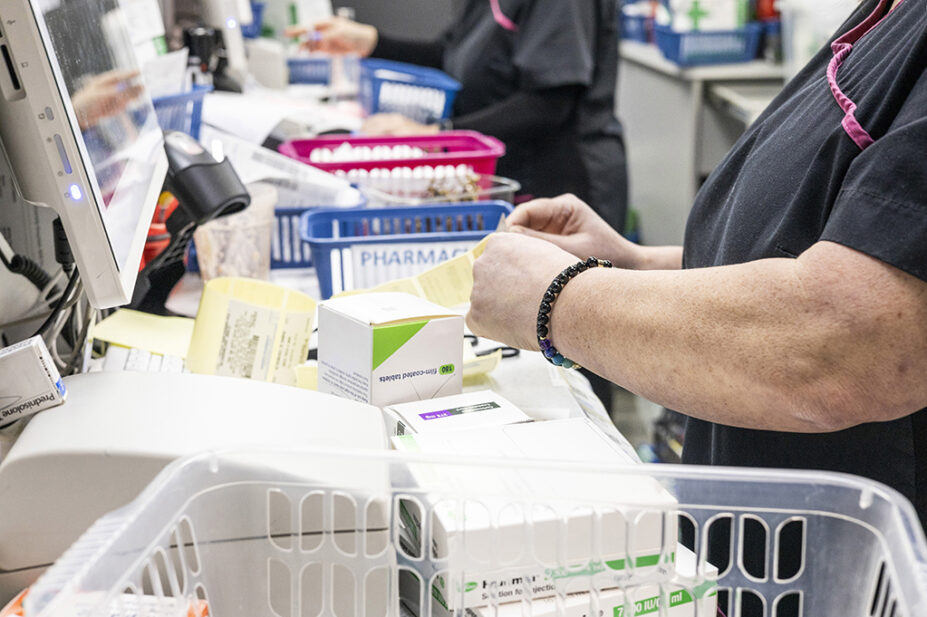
(390, 243)
(182, 112)
(310, 70)
(709, 47)
(635, 27)
(253, 30)
(420, 93)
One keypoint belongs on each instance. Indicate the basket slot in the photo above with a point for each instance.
(279, 588)
(790, 549)
(749, 604)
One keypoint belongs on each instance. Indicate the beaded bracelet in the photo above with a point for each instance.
(547, 304)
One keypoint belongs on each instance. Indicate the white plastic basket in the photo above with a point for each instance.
(269, 533)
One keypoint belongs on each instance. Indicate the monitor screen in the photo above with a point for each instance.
(81, 132)
(117, 123)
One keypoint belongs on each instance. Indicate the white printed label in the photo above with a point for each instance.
(247, 341)
(380, 263)
(294, 347)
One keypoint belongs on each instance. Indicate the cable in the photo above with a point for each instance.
(74, 365)
(66, 298)
(32, 271)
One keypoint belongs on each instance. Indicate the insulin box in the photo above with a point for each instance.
(452, 413)
(385, 348)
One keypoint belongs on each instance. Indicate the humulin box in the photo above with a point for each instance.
(29, 381)
(385, 348)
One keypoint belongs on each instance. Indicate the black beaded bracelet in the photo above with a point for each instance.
(547, 304)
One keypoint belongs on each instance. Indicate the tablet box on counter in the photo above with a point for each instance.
(452, 413)
(29, 380)
(385, 348)
(639, 522)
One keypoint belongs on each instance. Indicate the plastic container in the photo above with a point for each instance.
(310, 70)
(239, 244)
(635, 28)
(287, 248)
(470, 151)
(388, 192)
(253, 30)
(709, 47)
(254, 533)
(420, 93)
(182, 112)
(356, 249)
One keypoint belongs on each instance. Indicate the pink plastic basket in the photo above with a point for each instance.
(477, 152)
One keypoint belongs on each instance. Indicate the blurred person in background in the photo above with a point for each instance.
(540, 75)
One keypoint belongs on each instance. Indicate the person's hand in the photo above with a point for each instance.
(509, 281)
(396, 125)
(105, 95)
(572, 225)
(337, 35)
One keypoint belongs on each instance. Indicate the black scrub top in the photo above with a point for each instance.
(799, 176)
(535, 46)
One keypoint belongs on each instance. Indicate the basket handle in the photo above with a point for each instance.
(64, 578)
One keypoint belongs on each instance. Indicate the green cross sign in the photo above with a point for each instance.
(696, 12)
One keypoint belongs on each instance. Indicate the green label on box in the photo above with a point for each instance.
(388, 339)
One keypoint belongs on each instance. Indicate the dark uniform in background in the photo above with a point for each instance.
(540, 75)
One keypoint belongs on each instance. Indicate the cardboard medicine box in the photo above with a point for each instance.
(452, 413)
(496, 562)
(29, 380)
(386, 348)
(683, 596)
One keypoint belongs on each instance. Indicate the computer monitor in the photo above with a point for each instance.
(227, 16)
(81, 134)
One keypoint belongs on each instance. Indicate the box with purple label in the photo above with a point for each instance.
(452, 413)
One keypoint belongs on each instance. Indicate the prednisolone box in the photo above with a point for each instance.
(385, 348)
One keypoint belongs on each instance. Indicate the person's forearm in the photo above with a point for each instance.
(423, 53)
(522, 114)
(658, 258)
(777, 344)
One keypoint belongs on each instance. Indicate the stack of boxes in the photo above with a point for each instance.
(560, 540)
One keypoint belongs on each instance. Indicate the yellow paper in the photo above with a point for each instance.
(251, 329)
(449, 283)
(409, 286)
(307, 376)
(168, 336)
(479, 366)
(477, 250)
(476, 367)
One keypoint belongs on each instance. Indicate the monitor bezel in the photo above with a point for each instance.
(28, 136)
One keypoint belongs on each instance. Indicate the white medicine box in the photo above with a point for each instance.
(386, 348)
(512, 546)
(452, 413)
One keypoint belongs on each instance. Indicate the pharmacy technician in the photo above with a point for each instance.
(538, 74)
(791, 327)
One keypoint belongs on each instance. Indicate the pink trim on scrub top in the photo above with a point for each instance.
(500, 18)
(841, 48)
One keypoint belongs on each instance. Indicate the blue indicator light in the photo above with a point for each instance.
(76, 193)
(231, 23)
